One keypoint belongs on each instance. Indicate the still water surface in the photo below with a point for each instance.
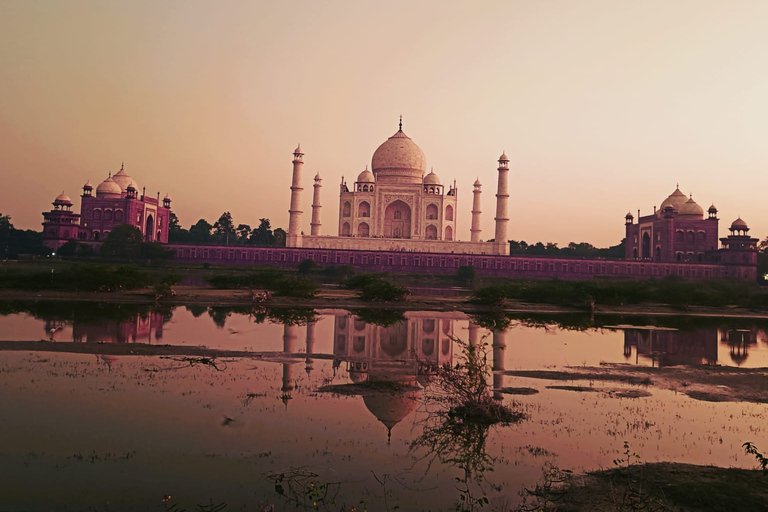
(124, 432)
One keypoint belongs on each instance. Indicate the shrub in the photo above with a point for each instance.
(307, 266)
(466, 273)
(383, 291)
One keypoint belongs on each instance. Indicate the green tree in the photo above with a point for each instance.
(200, 232)
(243, 233)
(279, 237)
(224, 228)
(175, 232)
(5, 234)
(262, 235)
(122, 242)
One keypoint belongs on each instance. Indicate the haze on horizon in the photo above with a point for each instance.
(601, 105)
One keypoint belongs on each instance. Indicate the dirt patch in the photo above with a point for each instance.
(629, 393)
(708, 383)
(519, 391)
(668, 486)
(574, 388)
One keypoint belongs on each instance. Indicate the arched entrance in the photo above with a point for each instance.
(397, 220)
(150, 229)
(448, 233)
(363, 229)
(430, 233)
(646, 246)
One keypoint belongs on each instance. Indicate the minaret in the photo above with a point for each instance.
(315, 224)
(293, 239)
(502, 198)
(475, 229)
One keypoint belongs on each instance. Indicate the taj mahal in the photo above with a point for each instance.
(398, 206)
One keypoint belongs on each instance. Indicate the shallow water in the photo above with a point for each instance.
(124, 432)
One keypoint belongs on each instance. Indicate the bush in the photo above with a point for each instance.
(466, 273)
(307, 266)
(294, 287)
(383, 291)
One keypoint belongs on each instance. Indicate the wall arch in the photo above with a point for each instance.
(449, 212)
(397, 220)
(448, 233)
(432, 212)
(363, 229)
(430, 233)
(346, 209)
(364, 209)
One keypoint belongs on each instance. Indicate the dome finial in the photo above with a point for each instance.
(122, 166)
(401, 122)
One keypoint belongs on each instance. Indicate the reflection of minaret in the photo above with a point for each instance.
(474, 333)
(499, 346)
(310, 346)
(290, 335)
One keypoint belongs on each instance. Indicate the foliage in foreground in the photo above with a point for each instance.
(85, 278)
(672, 290)
(373, 288)
(267, 278)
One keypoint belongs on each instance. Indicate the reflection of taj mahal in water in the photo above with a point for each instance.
(405, 353)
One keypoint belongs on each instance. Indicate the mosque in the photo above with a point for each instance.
(116, 201)
(398, 206)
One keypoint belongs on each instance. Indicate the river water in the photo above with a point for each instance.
(290, 422)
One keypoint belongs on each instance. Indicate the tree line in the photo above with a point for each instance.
(574, 250)
(224, 232)
(14, 242)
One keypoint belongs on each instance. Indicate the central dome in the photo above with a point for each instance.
(399, 160)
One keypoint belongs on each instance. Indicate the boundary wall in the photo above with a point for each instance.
(537, 267)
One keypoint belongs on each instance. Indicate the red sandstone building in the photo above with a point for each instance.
(117, 201)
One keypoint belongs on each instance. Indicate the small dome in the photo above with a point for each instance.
(317, 177)
(62, 199)
(691, 207)
(629, 216)
(477, 183)
(503, 157)
(131, 186)
(366, 176)
(298, 151)
(123, 180)
(431, 179)
(740, 225)
(88, 185)
(108, 188)
(676, 200)
(167, 198)
(712, 209)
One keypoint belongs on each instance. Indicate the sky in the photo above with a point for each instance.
(602, 106)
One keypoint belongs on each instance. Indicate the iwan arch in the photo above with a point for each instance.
(398, 206)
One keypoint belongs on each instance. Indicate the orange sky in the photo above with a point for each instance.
(602, 106)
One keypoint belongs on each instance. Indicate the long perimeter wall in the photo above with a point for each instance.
(487, 265)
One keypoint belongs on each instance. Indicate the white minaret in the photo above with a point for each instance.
(315, 224)
(502, 198)
(475, 229)
(293, 239)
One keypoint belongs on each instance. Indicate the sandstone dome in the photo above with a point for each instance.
(399, 160)
(740, 225)
(676, 200)
(62, 199)
(123, 180)
(109, 189)
(691, 207)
